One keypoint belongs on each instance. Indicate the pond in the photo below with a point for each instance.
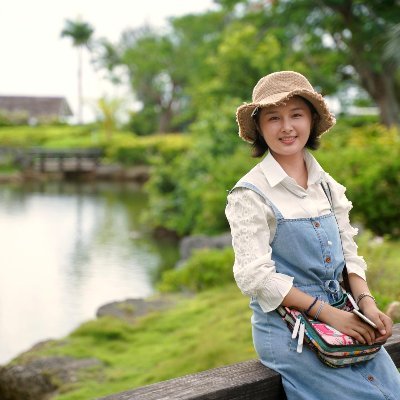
(68, 248)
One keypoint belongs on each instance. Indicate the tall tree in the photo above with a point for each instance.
(80, 32)
(164, 67)
(349, 34)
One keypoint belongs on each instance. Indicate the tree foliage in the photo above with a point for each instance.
(192, 76)
(349, 37)
(80, 33)
(203, 58)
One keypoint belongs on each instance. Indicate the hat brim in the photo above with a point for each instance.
(247, 126)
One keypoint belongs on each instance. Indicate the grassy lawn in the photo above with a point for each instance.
(206, 331)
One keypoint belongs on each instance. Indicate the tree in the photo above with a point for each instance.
(165, 68)
(393, 44)
(80, 32)
(108, 110)
(347, 37)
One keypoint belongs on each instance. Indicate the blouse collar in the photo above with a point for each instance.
(275, 174)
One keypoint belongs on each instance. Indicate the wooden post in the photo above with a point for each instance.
(61, 163)
(78, 162)
(42, 162)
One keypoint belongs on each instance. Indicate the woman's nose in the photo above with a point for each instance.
(286, 125)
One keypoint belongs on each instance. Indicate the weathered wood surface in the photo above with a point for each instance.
(248, 380)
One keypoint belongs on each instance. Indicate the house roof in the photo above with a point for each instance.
(36, 106)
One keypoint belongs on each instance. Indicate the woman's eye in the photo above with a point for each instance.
(297, 115)
(274, 118)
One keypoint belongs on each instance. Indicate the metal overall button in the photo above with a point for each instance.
(332, 286)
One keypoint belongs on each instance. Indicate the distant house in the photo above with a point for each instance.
(35, 109)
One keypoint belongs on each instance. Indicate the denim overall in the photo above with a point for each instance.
(310, 250)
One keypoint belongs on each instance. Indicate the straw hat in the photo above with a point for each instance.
(273, 90)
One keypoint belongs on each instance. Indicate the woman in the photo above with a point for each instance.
(290, 249)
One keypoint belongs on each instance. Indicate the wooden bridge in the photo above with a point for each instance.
(58, 160)
(248, 380)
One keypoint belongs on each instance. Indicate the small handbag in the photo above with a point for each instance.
(333, 348)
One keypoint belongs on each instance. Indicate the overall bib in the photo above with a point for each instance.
(310, 250)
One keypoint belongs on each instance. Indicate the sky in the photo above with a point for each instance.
(35, 61)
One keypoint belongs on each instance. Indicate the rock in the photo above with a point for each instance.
(393, 311)
(38, 379)
(190, 243)
(130, 309)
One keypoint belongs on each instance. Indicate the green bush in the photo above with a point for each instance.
(33, 136)
(382, 257)
(121, 147)
(188, 193)
(133, 150)
(366, 160)
(205, 269)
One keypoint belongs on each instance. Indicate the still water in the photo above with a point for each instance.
(65, 250)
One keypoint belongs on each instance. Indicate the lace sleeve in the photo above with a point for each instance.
(254, 269)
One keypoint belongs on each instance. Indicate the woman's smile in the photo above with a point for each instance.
(288, 139)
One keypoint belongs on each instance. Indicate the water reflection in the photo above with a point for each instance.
(67, 249)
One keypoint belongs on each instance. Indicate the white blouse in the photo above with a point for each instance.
(253, 225)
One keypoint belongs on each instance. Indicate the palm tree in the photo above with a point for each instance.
(80, 32)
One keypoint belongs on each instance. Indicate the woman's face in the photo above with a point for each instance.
(286, 128)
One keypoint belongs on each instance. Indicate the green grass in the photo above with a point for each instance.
(209, 330)
(383, 259)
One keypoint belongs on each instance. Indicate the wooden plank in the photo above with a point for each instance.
(393, 345)
(249, 380)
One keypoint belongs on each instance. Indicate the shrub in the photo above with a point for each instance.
(133, 150)
(188, 193)
(205, 269)
(366, 160)
(32, 136)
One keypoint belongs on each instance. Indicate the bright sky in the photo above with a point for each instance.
(36, 61)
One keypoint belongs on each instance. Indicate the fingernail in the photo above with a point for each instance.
(383, 332)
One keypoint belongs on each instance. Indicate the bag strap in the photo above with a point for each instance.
(328, 194)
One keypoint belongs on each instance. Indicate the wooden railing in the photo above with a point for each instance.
(54, 160)
(248, 380)
(62, 160)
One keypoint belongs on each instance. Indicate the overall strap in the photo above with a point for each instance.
(254, 188)
(328, 194)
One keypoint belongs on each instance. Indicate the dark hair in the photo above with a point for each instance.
(260, 147)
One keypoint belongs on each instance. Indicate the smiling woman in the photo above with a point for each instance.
(292, 239)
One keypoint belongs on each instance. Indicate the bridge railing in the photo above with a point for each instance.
(39, 157)
(248, 380)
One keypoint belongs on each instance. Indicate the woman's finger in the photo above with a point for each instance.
(366, 333)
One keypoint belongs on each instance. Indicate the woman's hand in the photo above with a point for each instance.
(383, 322)
(348, 323)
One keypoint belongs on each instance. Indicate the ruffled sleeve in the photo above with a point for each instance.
(250, 218)
(342, 206)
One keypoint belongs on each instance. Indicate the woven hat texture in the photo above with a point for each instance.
(275, 89)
